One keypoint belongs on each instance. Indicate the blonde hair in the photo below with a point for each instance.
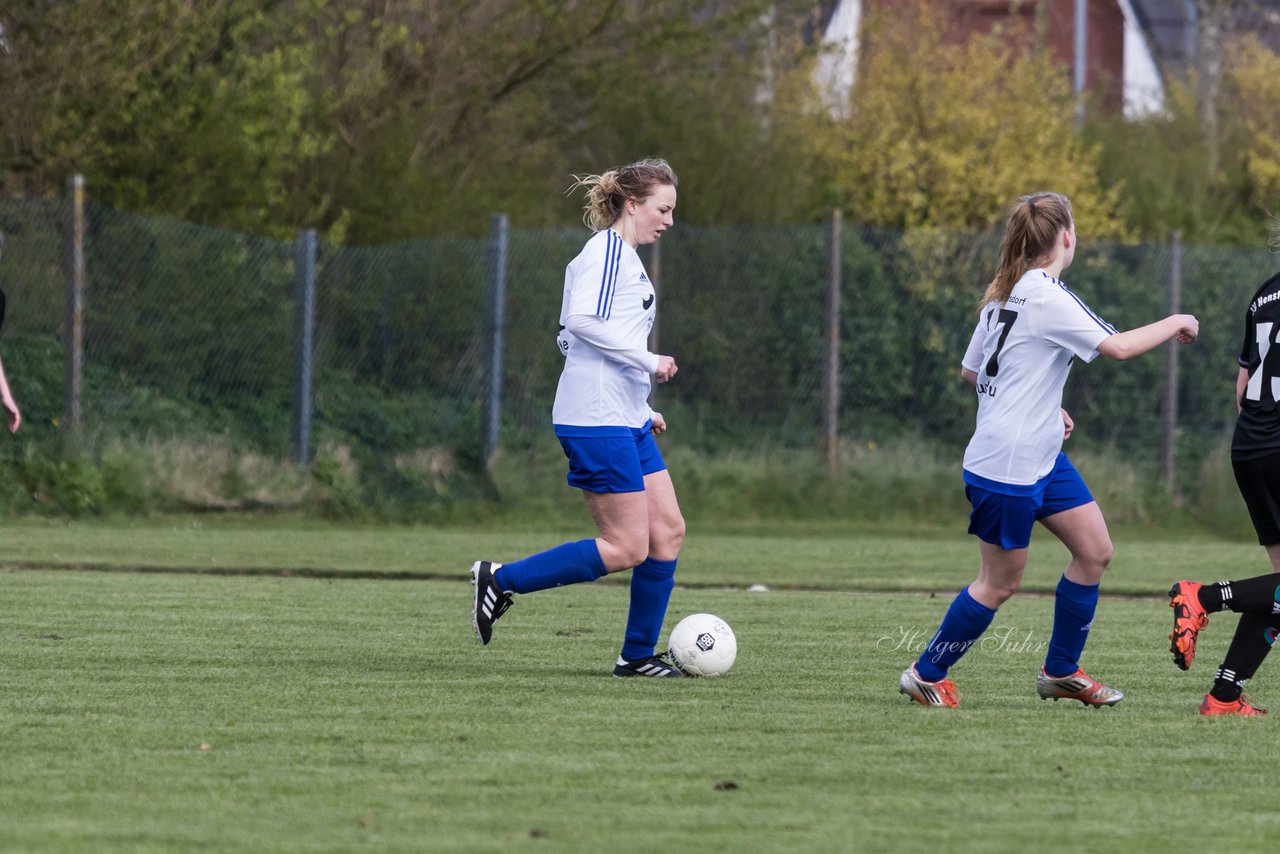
(607, 193)
(1034, 224)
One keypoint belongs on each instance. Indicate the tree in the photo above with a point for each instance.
(1215, 185)
(1254, 80)
(168, 106)
(448, 111)
(948, 135)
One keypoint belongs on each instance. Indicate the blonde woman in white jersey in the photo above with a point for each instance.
(1030, 329)
(604, 423)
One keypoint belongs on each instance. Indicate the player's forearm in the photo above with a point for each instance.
(595, 332)
(1242, 382)
(5, 394)
(12, 415)
(1135, 342)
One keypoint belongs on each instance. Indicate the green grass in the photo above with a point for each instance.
(794, 556)
(255, 712)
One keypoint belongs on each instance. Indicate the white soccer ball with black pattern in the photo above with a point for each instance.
(702, 645)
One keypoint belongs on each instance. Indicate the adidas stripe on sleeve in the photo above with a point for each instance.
(595, 273)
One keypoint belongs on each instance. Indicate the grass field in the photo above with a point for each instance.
(237, 703)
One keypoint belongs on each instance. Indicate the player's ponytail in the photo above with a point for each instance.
(607, 193)
(1034, 224)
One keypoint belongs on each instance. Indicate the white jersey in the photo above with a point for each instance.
(1021, 351)
(605, 318)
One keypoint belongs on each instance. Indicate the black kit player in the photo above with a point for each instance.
(1255, 458)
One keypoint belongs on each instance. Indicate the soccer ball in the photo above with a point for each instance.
(702, 645)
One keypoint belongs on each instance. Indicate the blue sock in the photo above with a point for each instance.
(966, 620)
(567, 563)
(651, 585)
(1073, 608)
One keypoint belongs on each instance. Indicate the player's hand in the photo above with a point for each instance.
(666, 369)
(1188, 328)
(1067, 425)
(12, 414)
(659, 424)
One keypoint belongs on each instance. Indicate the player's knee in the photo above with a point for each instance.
(1099, 557)
(666, 537)
(993, 594)
(674, 535)
(1002, 593)
(632, 554)
(618, 554)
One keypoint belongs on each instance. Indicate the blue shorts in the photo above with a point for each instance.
(1004, 514)
(610, 459)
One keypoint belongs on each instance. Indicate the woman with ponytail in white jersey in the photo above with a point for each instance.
(1030, 329)
(604, 423)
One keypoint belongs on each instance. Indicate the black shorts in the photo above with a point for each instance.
(1259, 482)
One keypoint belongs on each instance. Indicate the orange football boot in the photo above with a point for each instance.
(1189, 617)
(1241, 706)
(940, 693)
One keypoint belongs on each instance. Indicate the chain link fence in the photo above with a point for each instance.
(191, 332)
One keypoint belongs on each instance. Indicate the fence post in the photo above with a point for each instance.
(304, 313)
(831, 413)
(497, 321)
(1169, 435)
(73, 334)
